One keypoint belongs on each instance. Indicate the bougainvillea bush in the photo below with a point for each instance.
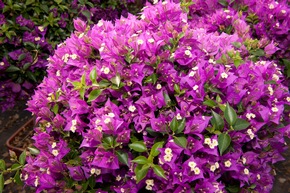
(29, 32)
(158, 103)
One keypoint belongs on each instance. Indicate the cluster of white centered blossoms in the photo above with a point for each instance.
(212, 143)
(168, 155)
(193, 167)
(73, 126)
(149, 184)
(95, 171)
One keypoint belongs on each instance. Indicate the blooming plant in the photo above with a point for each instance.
(158, 103)
(29, 32)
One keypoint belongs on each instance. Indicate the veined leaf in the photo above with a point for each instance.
(138, 146)
(241, 124)
(224, 141)
(230, 115)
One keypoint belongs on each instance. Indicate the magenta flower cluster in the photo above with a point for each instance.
(162, 103)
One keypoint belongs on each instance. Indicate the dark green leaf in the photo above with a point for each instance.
(258, 52)
(181, 126)
(12, 68)
(154, 150)
(22, 157)
(167, 99)
(94, 94)
(140, 160)
(224, 140)
(180, 141)
(87, 14)
(123, 157)
(241, 124)
(17, 178)
(230, 115)
(174, 124)
(2, 164)
(26, 66)
(1, 183)
(223, 2)
(138, 146)
(109, 140)
(141, 174)
(31, 76)
(92, 182)
(217, 121)
(28, 2)
(159, 171)
(21, 57)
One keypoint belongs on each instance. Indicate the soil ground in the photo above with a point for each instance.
(13, 119)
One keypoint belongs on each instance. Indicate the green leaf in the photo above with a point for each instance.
(87, 14)
(21, 57)
(22, 158)
(258, 52)
(217, 121)
(12, 68)
(94, 94)
(154, 150)
(223, 2)
(241, 124)
(224, 140)
(2, 165)
(210, 103)
(104, 83)
(26, 65)
(15, 166)
(1, 183)
(138, 146)
(92, 182)
(33, 151)
(181, 126)
(123, 157)
(177, 88)
(93, 75)
(230, 115)
(77, 85)
(159, 171)
(174, 124)
(83, 79)
(180, 141)
(140, 160)
(17, 178)
(141, 174)
(82, 93)
(55, 108)
(237, 44)
(151, 79)
(109, 140)
(31, 76)
(28, 2)
(58, 1)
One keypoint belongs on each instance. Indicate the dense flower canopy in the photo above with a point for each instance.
(163, 103)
